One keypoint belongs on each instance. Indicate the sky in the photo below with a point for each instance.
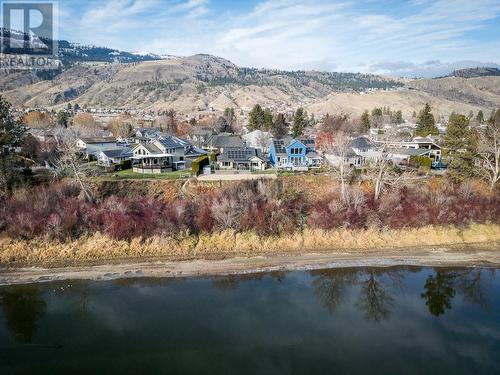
(400, 38)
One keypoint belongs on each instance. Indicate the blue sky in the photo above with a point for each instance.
(407, 38)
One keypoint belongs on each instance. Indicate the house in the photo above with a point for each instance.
(246, 158)
(149, 159)
(85, 142)
(200, 135)
(167, 153)
(425, 143)
(184, 152)
(294, 154)
(146, 133)
(218, 142)
(109, 158)
(366, 149)
(351, 160)
(93, 146)
(258, 139)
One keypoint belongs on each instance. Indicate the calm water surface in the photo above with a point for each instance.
(349, 321)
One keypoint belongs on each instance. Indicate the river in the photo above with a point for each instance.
(403, 320)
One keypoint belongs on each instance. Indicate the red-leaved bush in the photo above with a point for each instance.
(266, 207)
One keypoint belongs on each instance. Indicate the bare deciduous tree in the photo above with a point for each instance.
(69, 162)
(382, 174)
(489, 150)
(338, 155)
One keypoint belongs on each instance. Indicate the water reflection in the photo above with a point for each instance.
(439, 292)
(373, 292)
(23, 307)
(376, 289)
(374, 296)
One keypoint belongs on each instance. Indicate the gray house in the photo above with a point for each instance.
(241, 158)
(109, 158)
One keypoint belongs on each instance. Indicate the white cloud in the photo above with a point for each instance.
(307, 34)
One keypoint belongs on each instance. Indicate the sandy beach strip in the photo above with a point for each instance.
(483, 255)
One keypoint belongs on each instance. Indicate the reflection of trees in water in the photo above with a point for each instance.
(376, 293)
(22, 306)
(439, 292)
(229, 282)
(374, 300)
(331, 285)
(471, 284)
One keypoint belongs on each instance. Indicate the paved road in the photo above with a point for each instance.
(234, 177)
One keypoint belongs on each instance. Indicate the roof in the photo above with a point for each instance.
(90, 140)
(223, 141)
(150, 147)
(198, 130)
(147, 130)
(361, 143)
(279, 146)
(239, 154)
(172, 142)
(123, 152)
(195, 151)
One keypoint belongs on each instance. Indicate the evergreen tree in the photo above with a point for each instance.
(461, 147)
(365, 121)
(299, 123)
(256, 118)
(12, 134)
(426, 123)
(397, 117)
(229, 116)
(279, 127)
(62, 119)
(480, 117)
(267, 120)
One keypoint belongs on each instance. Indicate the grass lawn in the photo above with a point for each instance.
(128, 174)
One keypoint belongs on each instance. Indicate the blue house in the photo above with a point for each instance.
(294, 154)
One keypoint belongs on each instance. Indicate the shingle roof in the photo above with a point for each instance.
(117, 153)
(151, 148)
(361, 143)
(223, 141)
(90, 140)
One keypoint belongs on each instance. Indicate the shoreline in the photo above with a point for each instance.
(473, 255)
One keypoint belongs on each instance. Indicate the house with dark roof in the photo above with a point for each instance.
(200, 135)
(84, 142)
(366, 149)
(241, 158)
(149, 159)
(146, 133)
(294, 154)
(184, 152)
(218, 142)
(166, 154)
(109, 158)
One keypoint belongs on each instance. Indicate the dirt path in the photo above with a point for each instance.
(464, 256)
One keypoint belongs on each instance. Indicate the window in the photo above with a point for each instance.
(226, 164)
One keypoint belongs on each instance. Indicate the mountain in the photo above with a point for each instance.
(188, 84)
(475, 72)
(70, 53)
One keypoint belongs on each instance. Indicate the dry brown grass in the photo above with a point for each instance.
(99, 247)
